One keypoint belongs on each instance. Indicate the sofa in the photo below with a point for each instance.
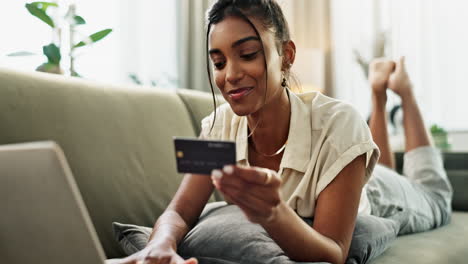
(118, 143)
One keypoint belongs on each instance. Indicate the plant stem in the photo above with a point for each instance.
(72, 41)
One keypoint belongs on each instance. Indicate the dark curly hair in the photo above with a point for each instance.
(267, 12)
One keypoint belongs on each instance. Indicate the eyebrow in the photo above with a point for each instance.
(236, 43)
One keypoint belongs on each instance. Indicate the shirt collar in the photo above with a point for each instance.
(297, 152)
(242, 140)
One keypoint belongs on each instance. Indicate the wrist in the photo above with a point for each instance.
(280, 212)
(163, 243)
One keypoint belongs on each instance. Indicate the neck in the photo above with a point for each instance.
(270, 125)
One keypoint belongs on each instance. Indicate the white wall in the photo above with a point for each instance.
(459, 141)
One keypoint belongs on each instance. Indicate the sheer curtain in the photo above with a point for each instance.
(309, 22)
(432, 33)
(428, 32)
(353, 28)
(191, 51)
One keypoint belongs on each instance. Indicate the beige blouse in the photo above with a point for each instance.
(325, 135)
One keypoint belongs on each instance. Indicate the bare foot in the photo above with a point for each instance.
(379, 73)
(399, 82)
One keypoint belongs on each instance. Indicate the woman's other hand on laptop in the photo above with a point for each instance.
(153, 255)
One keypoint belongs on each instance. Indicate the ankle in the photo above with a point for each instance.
(379, 100)
(407, 97)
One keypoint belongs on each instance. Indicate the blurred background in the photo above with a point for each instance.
(160, 43)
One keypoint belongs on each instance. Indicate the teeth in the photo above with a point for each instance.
(239, 90)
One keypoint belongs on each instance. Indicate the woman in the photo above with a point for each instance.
(298, 155)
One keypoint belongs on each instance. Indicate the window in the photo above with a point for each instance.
(430, 33)
(143, 40)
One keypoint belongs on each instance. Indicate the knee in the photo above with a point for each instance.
(448, 212)
(446, 217)
(445, 210)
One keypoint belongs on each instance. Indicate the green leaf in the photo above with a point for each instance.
(75, 74)
(52, 53)
(94, 38)
(135, 78)
(39, 13)
(21, 53)
(435, 129)
(44, 5)
(79, 20)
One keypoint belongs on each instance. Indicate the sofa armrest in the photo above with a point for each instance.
(459, 180)
(456, 166)
(199, 105)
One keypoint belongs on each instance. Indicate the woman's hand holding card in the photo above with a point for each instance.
(255, 190)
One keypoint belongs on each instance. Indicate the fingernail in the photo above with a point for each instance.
(229, 169)
(215, 181)
(217, 174)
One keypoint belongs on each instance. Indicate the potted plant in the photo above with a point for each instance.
(440, 137)
(54, 50)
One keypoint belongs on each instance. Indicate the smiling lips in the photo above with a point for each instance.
(237, 94)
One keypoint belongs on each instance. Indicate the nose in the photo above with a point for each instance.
(234, 72)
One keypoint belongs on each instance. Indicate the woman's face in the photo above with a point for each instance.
(239, 64)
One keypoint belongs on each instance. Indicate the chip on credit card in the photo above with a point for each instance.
(200, 156)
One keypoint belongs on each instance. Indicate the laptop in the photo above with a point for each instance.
(43, 218)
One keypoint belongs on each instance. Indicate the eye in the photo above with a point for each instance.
(250, 56)
(218, 62)
(219, 65)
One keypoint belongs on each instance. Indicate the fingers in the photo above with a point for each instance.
(153, 255)
(128, 260)
(270, 176)
(259, 182)
(255, 175)
(254, 190)
(259, 191)
(191, 261)
(161, 260)
(157, 260)
(151, 260)
(119, 261)
(252, 199)
(252, 206)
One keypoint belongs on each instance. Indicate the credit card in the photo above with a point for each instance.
(200, 156)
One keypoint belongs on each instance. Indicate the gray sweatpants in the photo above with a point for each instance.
(420, 200)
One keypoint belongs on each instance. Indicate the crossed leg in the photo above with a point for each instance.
(421, 200)
(385, 74)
